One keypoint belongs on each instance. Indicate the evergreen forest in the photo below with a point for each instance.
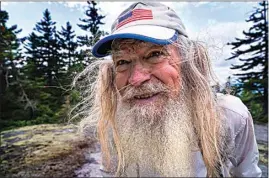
(36, 71)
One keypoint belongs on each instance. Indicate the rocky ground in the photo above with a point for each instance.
(58, 151)
(43, 151)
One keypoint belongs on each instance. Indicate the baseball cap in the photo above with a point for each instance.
(147, 21)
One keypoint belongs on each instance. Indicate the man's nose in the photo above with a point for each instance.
(139, 75)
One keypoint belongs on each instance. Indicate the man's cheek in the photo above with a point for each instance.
(121, 82)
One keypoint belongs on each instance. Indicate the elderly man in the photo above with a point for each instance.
(155, 110)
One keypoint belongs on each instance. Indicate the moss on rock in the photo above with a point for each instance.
(263, 152)
(42, 151)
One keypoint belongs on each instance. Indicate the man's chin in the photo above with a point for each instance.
(144, 115)
(156, 137)
(147, 112)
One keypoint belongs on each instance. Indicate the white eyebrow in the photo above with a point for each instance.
(118, 53)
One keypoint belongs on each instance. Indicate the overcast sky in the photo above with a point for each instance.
(214, 23)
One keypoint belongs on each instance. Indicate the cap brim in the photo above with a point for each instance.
(154, 34)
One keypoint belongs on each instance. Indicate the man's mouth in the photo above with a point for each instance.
(145, 98)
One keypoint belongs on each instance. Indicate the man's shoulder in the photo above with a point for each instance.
(233, 104)
(235, 113)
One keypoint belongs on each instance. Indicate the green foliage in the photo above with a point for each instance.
(13, 101)
(254, 107)
(91, 24)
(253, 80)
(69, 56)
(36, 76)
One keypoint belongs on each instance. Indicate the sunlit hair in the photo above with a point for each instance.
(197, 74)
(101, 98)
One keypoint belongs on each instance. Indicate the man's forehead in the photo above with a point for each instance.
(123, 45)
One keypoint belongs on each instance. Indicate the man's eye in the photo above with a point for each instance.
(155, 54)
(155, 57)
(122, 62)
(122, 65)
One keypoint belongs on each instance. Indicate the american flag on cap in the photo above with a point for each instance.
(134, 15)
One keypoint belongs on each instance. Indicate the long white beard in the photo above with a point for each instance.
(156, 141)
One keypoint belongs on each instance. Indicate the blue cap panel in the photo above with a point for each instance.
(103, 46)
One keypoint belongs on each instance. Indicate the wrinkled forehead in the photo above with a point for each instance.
(120, 46)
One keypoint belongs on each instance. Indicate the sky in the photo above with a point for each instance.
(212, 23)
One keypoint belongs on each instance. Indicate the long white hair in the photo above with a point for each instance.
(101, 99)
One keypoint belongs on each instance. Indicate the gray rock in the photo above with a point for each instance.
(261, 132)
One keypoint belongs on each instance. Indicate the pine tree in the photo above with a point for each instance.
(90, 24)
(48, 47)
(68, 45)
(70, 54)
(43, 50)
(9, 48)
(45, 69)
(254, 59)
(13, 99)
(35, 63)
